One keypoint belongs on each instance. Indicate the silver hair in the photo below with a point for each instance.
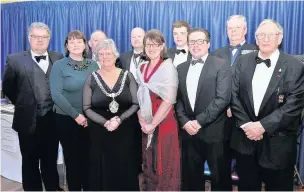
(39, 25)
(97, 31)
(266, 21)
(106, 43)
(237, 17)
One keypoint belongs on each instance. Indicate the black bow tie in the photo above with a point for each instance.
(266, 61)
(193, 62)
(137, 55)
(178, 51)
(38, 58)
(234, 47)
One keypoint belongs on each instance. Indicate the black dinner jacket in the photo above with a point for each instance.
(279, 113)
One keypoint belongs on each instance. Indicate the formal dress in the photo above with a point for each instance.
(113, 155)
(161, 160)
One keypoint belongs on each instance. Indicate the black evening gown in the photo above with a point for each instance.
(113, 155)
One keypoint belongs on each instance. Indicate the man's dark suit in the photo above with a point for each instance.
(172, 51)
(90, 54)
(212, 98)
(37, 135)
(225, 52)
(279, 114)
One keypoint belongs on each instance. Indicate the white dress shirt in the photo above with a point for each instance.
(180, 58)
(133, 64)
(234, 50)
(260, 81)
(193, 76)
(43, 64)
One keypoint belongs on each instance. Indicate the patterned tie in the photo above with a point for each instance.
(266, 61)
(193, 62)
(178, 51)
(38, 58)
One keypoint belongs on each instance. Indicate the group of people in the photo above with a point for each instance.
(159, 112)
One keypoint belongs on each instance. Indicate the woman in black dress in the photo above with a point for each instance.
(110, 104)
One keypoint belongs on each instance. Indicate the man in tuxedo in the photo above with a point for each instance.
(96, 37)
(203, 96)
(236, 30)
(267, 100)
(26, 84)
(130, 60)
(180, 53)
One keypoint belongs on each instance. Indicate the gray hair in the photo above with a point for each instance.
(38, 25)
(97, 31)
(237, 17)
(266, 21)
(106, 43)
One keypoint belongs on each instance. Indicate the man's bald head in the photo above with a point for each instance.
(137, 37)
(96, 37)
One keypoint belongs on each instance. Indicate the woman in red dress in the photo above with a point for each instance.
(158, 83)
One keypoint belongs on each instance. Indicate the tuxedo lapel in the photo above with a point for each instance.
(183, 82)
(203, 75)
(52, 58)
(274, 81)
(248, 75)
(227, 52)
(128, 60)
(189, 56)
(172, 53)
(28, 65)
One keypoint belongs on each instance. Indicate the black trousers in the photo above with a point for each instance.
(75, 145)
(194, 153)
(40, 147)
(251, 175)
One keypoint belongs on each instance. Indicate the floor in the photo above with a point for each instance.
(9, 185)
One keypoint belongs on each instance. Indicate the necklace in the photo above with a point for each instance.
(79, 66)
(113, 106)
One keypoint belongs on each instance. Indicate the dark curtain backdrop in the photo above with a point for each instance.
(117, 18)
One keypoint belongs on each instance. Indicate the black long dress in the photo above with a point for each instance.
(113, 155)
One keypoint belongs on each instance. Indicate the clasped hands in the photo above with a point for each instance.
(81, 120)
(192, 127)
(254, 131)
(145, 127)
(112, 124)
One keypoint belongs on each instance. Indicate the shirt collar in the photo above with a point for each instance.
(204, 58)
(35, 54)
(242, 43)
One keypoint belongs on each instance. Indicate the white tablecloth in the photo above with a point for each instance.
(11, 158)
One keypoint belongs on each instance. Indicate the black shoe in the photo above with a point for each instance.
(59, 189)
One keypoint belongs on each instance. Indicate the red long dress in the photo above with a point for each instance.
(161, 161)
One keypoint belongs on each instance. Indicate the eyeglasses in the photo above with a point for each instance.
(152, 45)
(105, 54)
(39, 37)
(198, 42)
(270, 36)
